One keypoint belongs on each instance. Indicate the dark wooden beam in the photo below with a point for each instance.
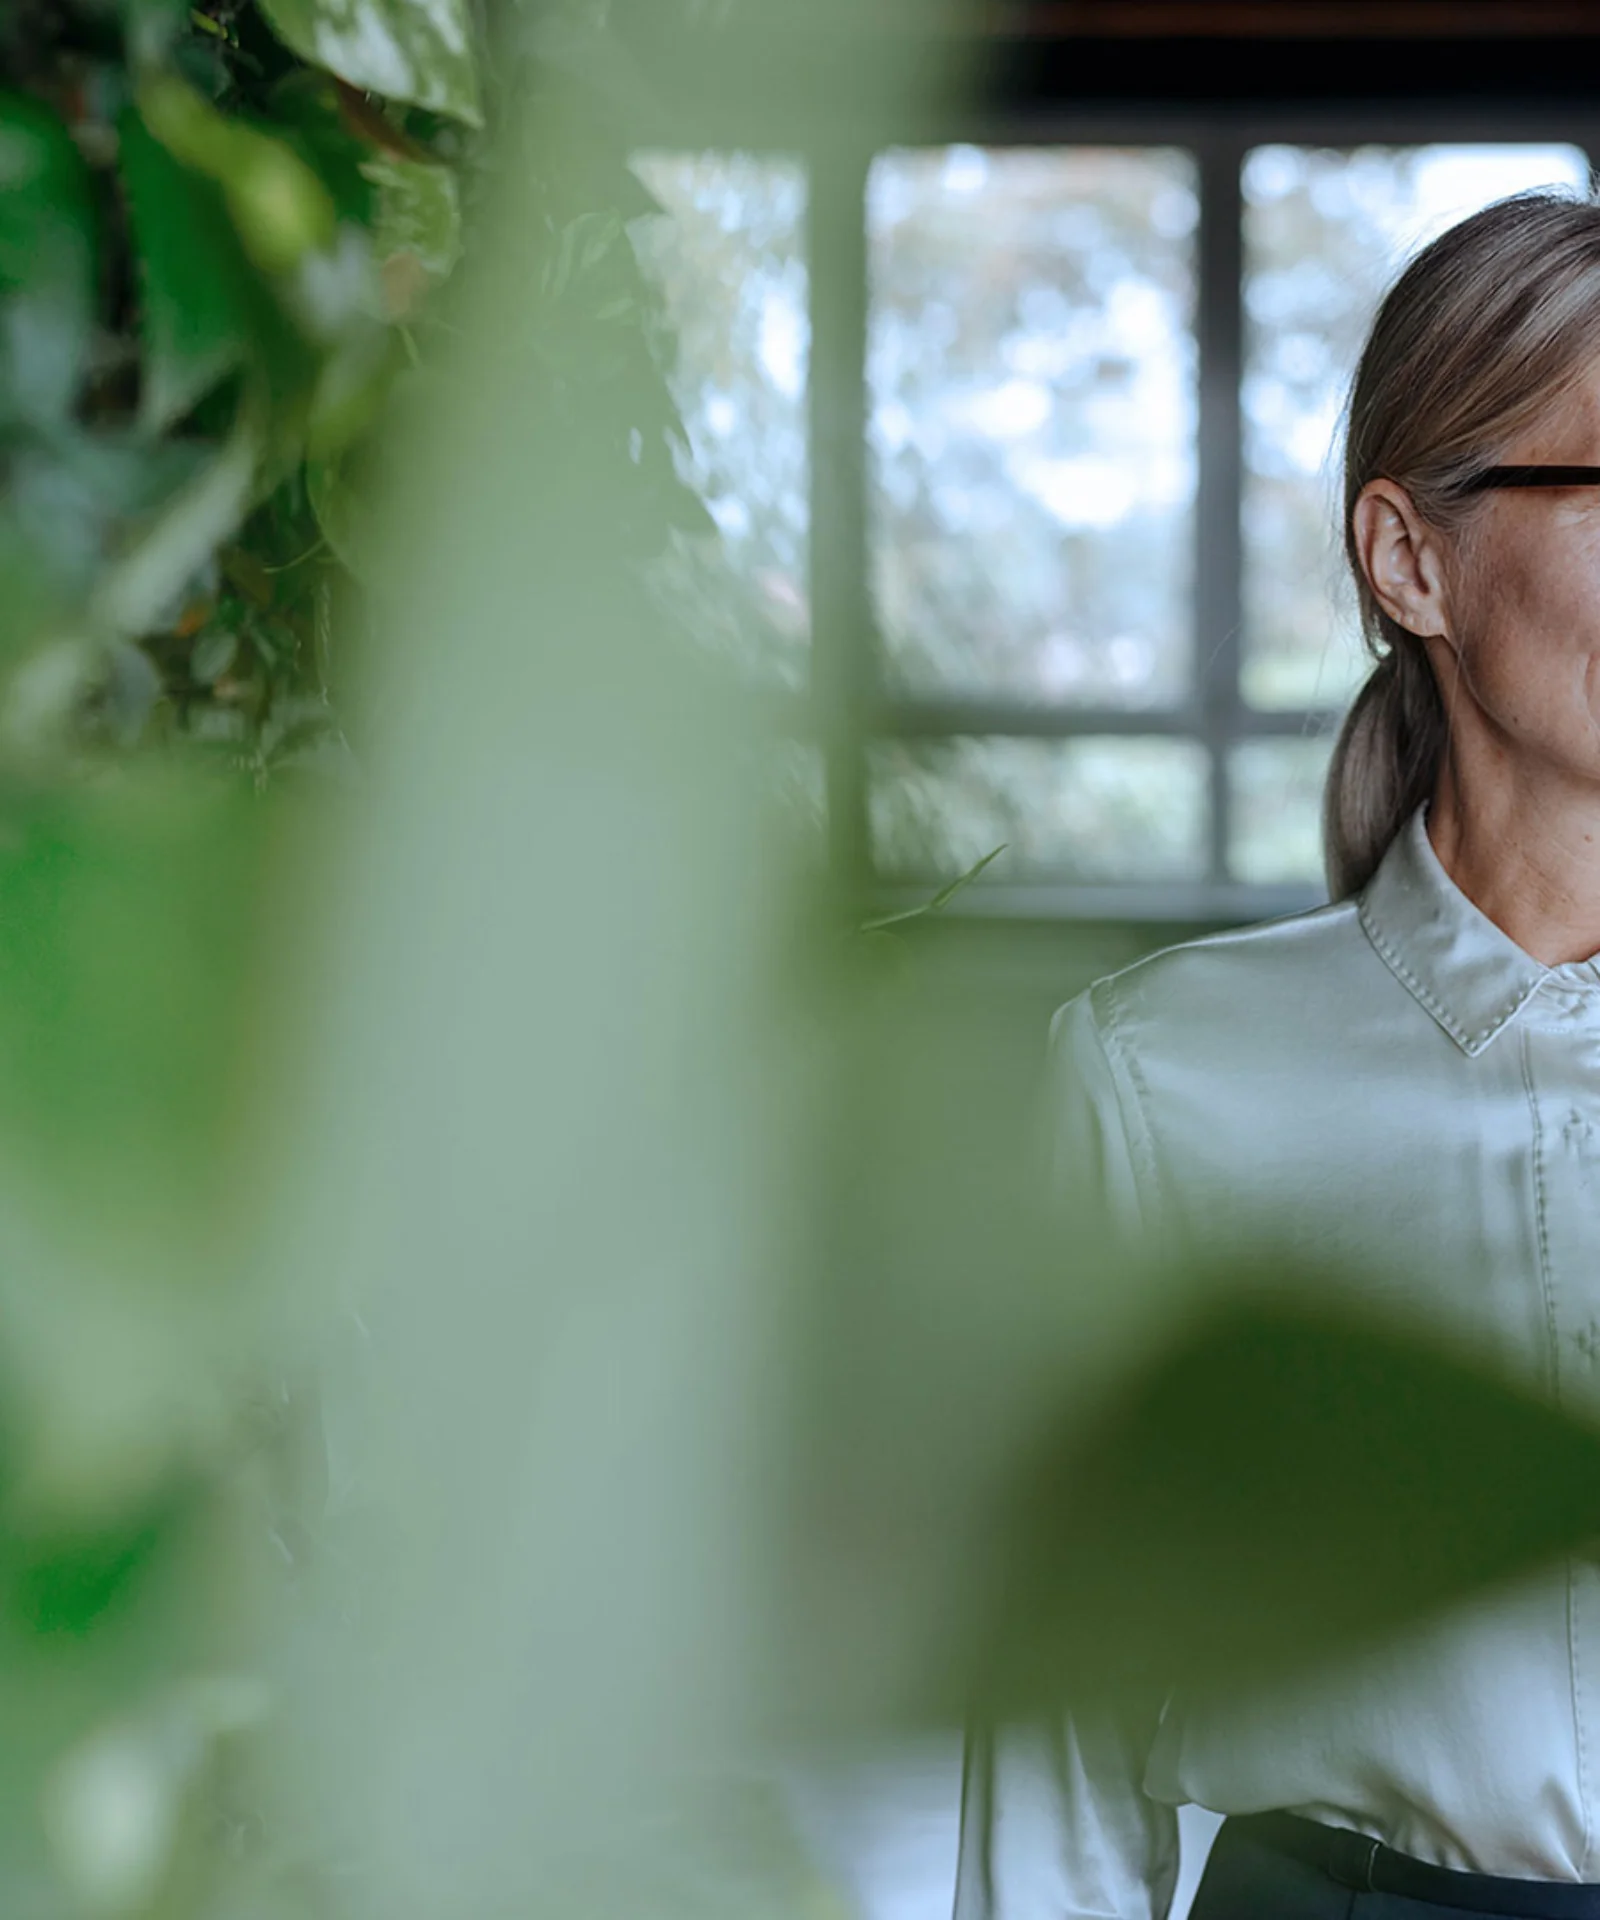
(906, 70)
(1299, 19)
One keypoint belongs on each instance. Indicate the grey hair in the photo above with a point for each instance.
(1486, 327)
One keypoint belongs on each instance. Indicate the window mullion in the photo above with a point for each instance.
(1219, 330)
(933, 719)
(844, 667)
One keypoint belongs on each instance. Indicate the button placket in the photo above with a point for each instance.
(1562, 1073)
(1569, 1179)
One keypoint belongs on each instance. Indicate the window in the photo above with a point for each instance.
(731, 263)
(1022, 461)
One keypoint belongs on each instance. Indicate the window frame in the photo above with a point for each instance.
(848, 705)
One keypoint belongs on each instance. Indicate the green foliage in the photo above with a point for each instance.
(47, 263)
(221, 246)
(201, 310)
(139, 898)
(1210, 1511)
(66, 1587)
(418, 215)
(404, 51)
(229, 276)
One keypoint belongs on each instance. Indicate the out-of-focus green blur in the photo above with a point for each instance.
(515, 1309)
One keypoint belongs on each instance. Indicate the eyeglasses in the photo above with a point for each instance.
(1493, 478)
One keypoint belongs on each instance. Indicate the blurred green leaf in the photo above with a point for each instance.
(32, 595)
(297, 729)
(120, 1670)
(1037, 1466)
(134, 1049)
(418, 212)
(1281, 1480)
(278, 204)
(419, 51)
(65, 1586)
(246, 572)
(213, 655)
(119, 696)
(352, 386)
(139, 592)
(74, 495)
(47, 262)
(305, 107)
(339, 514)
(125, 949)
(151, 27)
(199, 311)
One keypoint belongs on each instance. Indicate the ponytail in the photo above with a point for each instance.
(1385, 764)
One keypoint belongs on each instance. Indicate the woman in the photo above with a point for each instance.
(1404, 1083)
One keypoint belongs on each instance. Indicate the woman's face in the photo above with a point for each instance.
(1520, 640)
(1510, 609)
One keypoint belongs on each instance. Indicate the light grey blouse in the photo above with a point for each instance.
(1392, 1085)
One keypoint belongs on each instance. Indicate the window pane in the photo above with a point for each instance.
(1032, 421)
(1325, 232)
(730, 261)
(1275, 829)
(1112, 809)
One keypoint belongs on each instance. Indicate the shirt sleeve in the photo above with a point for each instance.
(1055, 1823)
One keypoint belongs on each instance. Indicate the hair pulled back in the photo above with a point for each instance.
(1484, 329)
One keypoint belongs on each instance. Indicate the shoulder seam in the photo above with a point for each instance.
(1133, 1096)
(1243, 936)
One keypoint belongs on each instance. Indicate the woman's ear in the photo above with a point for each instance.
(1402, 558)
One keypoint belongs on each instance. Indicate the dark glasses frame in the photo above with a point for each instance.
(1494, 478)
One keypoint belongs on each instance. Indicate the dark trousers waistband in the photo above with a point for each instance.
(1352, 1860)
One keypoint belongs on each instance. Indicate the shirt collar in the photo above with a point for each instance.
(1451, 957)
